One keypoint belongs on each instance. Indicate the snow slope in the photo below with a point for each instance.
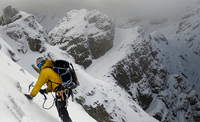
(16, 107)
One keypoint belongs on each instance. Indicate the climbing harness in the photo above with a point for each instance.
(63, 94)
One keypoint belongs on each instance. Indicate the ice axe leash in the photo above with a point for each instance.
(45, 97)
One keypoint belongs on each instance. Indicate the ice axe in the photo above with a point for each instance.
(31, 85)
(27, 95)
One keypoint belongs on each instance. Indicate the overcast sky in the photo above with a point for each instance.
(109, 7)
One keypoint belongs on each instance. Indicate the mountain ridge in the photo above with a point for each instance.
(91, 94)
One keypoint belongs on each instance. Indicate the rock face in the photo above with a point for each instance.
(24, 29)
(86, 35)
(162, 73)
(165, 96)
(140, 67)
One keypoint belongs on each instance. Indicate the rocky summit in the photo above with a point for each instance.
(86, 35)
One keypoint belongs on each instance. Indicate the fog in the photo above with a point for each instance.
(115, 8)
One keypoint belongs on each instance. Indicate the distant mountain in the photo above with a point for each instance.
(86, 35)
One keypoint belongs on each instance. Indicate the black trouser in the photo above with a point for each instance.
(62, 108)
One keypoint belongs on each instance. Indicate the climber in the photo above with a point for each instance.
(53, 81)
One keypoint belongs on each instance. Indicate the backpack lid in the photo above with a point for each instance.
(61, 63)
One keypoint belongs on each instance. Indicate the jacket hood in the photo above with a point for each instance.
(48, 63)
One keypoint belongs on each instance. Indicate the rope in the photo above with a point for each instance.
(45, 98)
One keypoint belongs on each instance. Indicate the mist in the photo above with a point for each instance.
(114, 8)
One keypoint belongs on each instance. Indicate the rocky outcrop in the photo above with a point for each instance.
(26, 31)
(140, 67)
(86, 35)
(9, 15)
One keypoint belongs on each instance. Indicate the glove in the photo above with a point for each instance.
(28, 96)
(43, 91)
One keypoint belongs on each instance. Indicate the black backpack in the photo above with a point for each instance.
(67, 74)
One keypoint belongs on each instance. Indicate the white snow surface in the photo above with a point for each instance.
(16, 107)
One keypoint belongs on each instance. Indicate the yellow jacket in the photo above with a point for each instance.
(48, 76)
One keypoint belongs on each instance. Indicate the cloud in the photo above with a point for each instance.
(110, 7)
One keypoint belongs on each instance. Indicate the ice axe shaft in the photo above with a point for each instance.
(31, 85)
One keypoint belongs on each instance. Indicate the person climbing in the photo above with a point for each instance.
(53, 81)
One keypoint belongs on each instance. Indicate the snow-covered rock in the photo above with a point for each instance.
(84, 34)
(144, 76)
(25, 31)
(182, 55)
